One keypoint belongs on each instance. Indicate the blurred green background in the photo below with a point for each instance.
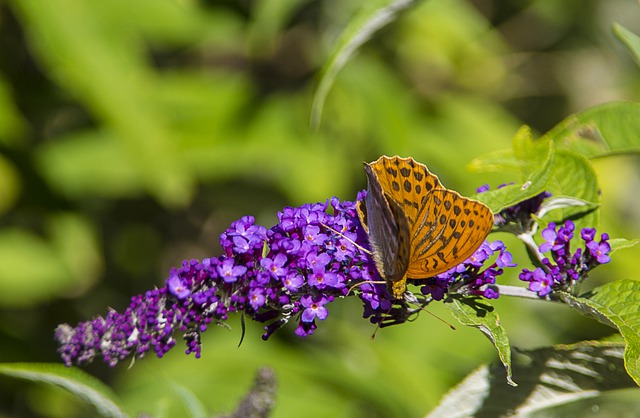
(133, 132)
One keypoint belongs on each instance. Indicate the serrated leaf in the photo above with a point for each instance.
(619, 303)
(373, 16)
(547, 377)
(476, 312)
(612, 128)
(630, 39)
(587, 309)
(81, 384)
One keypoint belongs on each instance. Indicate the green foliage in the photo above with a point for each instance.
(548, 377)
(618, 303)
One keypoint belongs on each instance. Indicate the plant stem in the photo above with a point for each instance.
(517, 291)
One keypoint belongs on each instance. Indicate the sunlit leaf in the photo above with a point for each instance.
(630, 39)
(536, 183)
(547, 378)
(373, 16)
(606, 129)
(619, 303)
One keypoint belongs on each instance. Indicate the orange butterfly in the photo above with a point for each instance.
(416, 227)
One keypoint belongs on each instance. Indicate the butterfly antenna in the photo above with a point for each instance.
(373, 336)
(438, 318)
(360, 247)
(379, 324)
(365, 282)
(410, 298)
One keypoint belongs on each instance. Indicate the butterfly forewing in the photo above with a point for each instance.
(450, 228)
(405, 181)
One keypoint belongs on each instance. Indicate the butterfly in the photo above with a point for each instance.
(416, 227)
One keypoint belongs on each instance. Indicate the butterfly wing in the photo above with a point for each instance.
(417, 228)
(388, 230)
(448, 230)
(405, 181)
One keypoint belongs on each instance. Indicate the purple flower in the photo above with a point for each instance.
(588, 234)
(275, 265)
(540, 282)
(600, 251)
(315, 260)
(490, 293)
(178, 286)
(319, 278)
(505, 259)
(314, 308)
(293, 281)
(549, 234)
(256, 298)
(229, 272)
(313, 236)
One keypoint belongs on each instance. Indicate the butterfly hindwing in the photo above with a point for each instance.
(450, 229)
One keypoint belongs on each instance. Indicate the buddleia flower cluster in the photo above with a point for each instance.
(291, 272)
(564, 268)
(288, 273)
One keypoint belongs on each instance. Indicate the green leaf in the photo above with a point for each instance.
(563, 202)
(476, 312)
(529, 151)
(586, 308)
(524, 157)
(612, 128)
(619, 303)
(373, 16)
(496, 161)
(574, 176)
(630, 39)
(191, 402)
(548, 378)
(622, 243)
(81, 384)
(534, 184)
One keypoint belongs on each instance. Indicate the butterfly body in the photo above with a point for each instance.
(416, 227)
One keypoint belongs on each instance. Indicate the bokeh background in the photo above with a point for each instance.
(133, 132)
